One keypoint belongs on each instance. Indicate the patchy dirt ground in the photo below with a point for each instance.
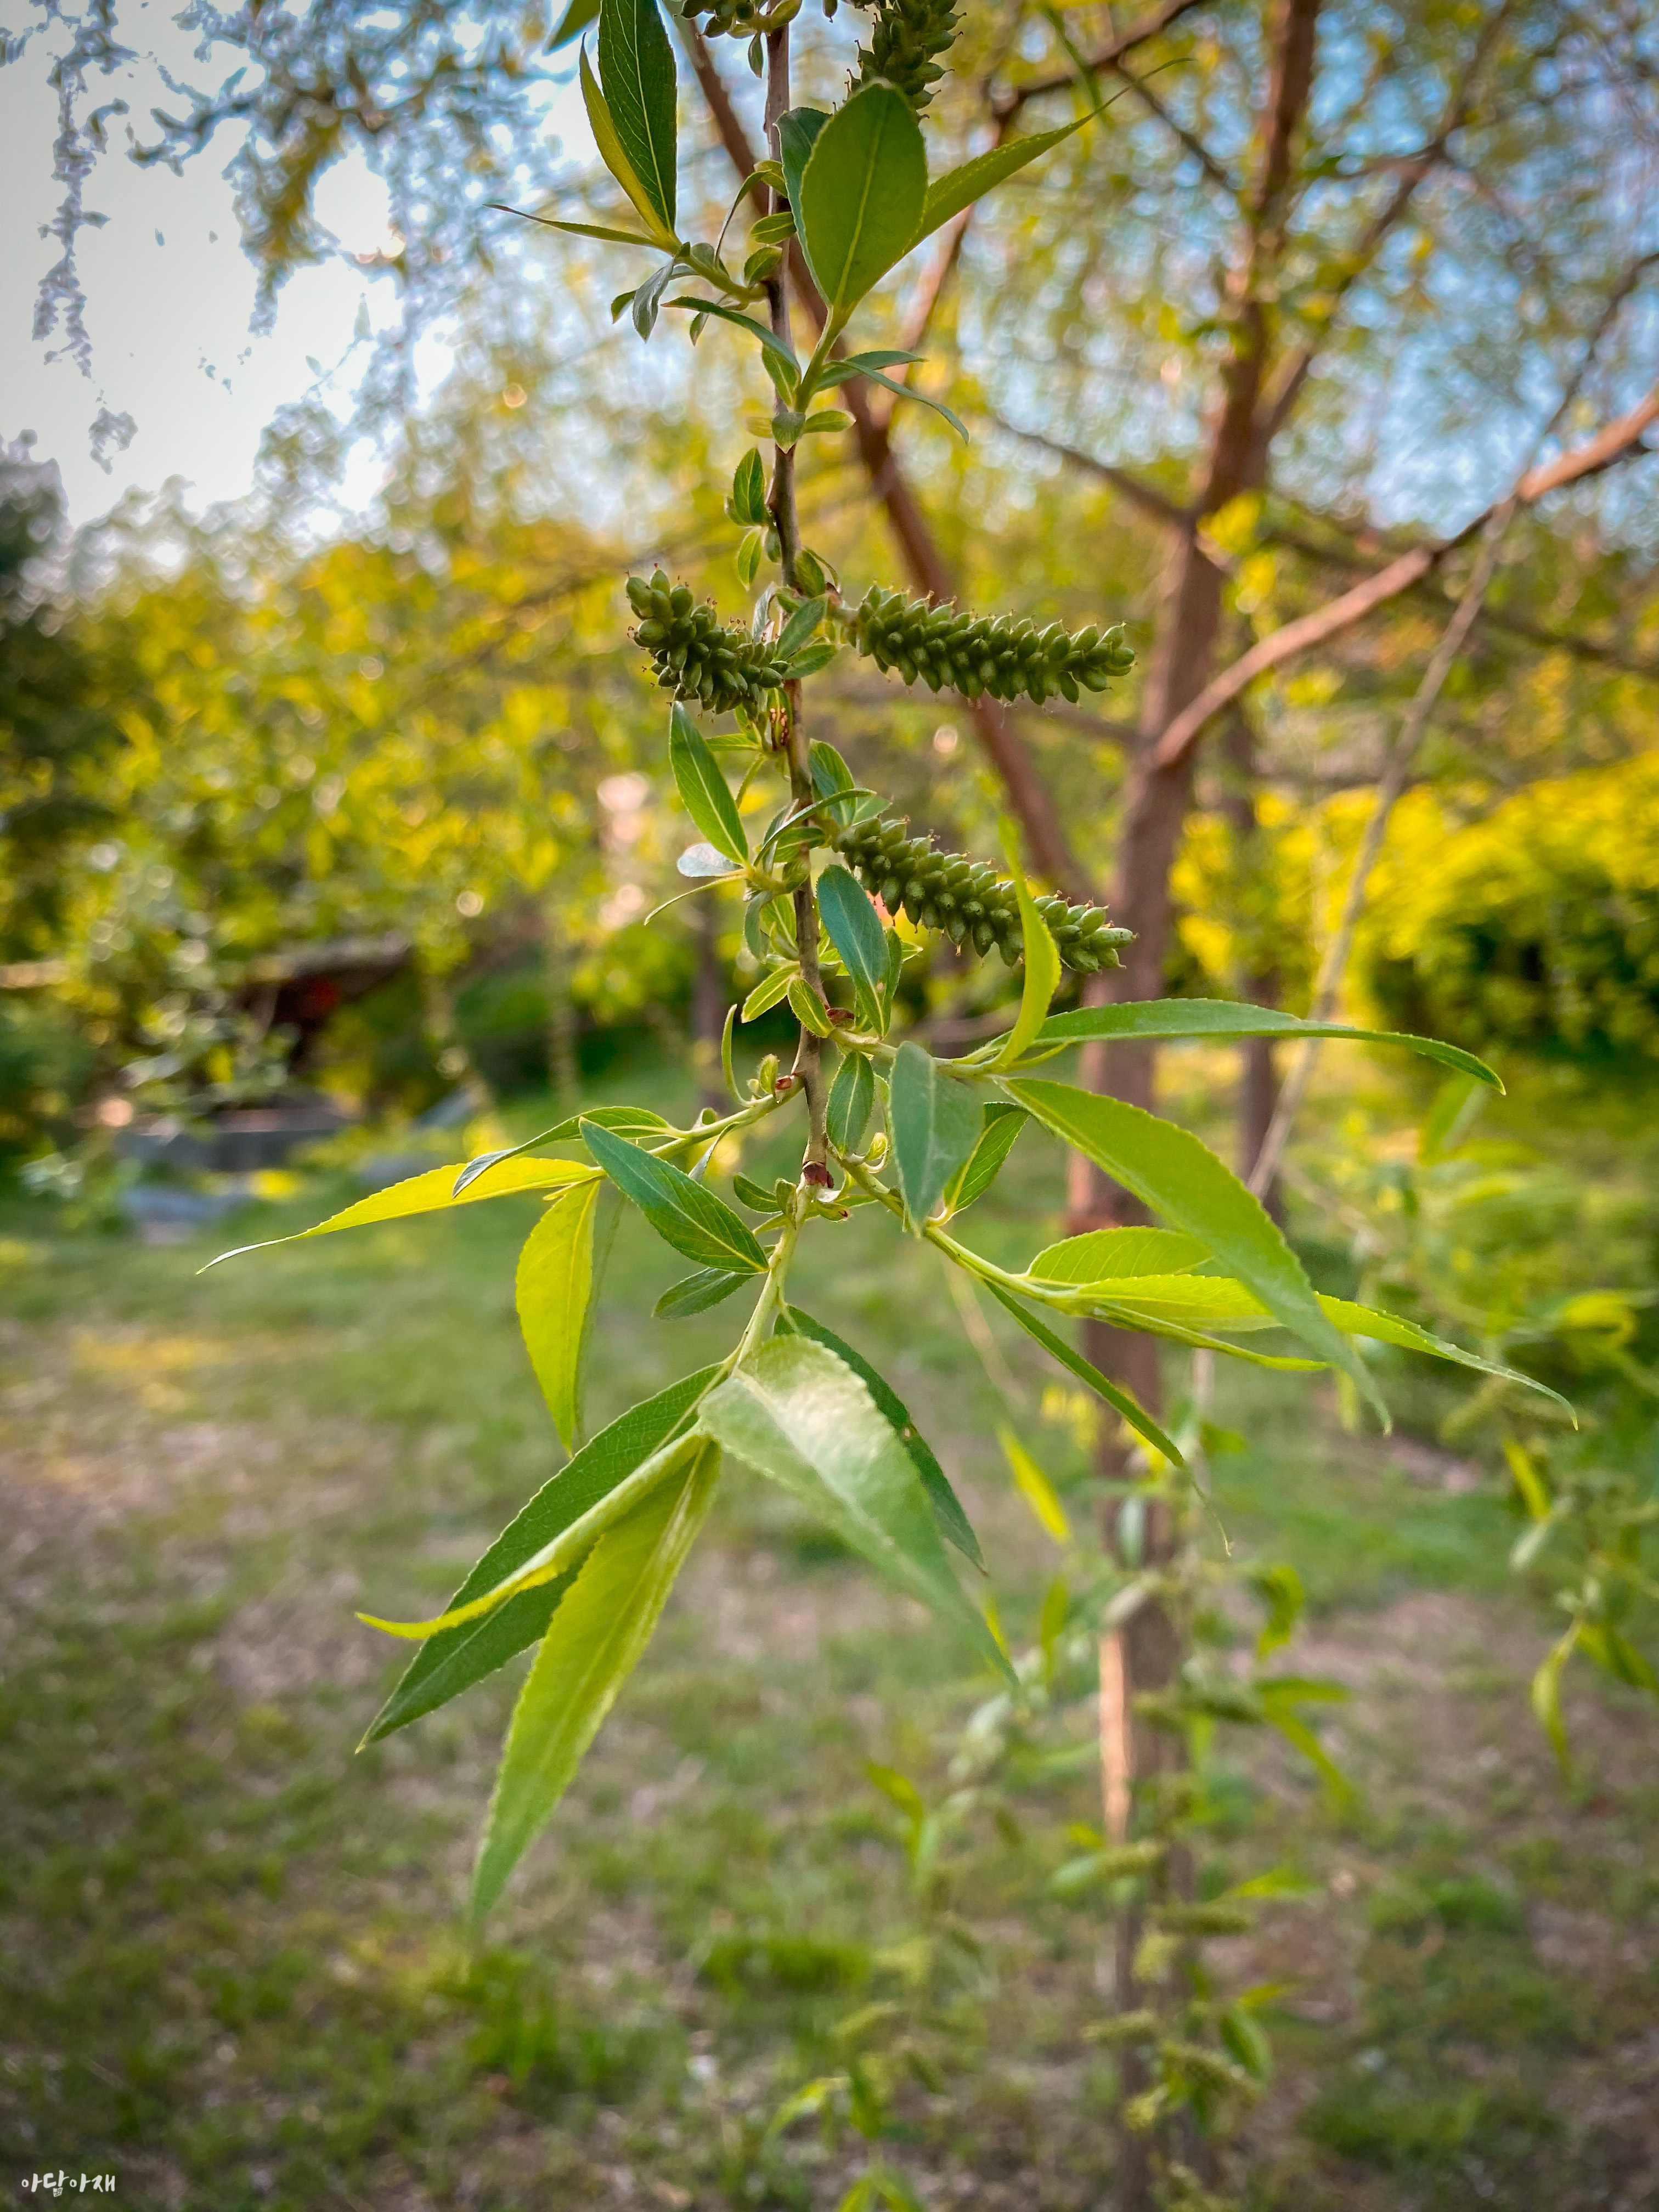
(233, 1972)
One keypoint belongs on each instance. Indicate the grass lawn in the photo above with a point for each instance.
(233, 1972)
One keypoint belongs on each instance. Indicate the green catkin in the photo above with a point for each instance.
(906, 40)
(696, 657)
(739, 19)
(1008, 657)
(967, 899)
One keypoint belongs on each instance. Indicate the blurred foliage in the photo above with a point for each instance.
(1534, 927)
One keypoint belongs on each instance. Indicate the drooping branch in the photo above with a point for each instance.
(1138, 33)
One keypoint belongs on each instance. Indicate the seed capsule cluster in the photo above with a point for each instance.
(967, 899)
(697, 656)
(905, 41)
(973, 653)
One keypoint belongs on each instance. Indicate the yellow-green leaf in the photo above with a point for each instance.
(1035, 1487)
(434, 1192)
(553, 1292)
(1041, 960)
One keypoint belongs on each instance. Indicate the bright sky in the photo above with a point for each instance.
(170, 301)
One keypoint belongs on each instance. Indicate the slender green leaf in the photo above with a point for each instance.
(798, 133)
(749, 490)
(1389, 1328)
(909, 391)
(953, 1523)
(1104, 1253)
(1121, 1400)
(812, 658)
(957, 189)
(1041, 960)
(703, 787)
(852, 1095)
(933, 1123)
(800, 1415)
(800, 627)
(1547, 1695)
(553, 1292)
(770, 990)
(861, 196)
(855, 931)
(808, 1007)
(694, 1294)
(610, 153)
(434, 1192)
(1002, 1125)
(1168, 1170)
(573, 22)
(685, 1213)
(453, 1659)
(636, 71)
(778, 353)
(592, 1644)
(627, 1120)
(1035, 1487)
(606, 231)
(1219, 1017)
(727, 1069)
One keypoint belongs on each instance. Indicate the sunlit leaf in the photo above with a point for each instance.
(611, 154)
(800, 1415)
(553, 1292)
(636, 71)
(591, 1645)
(627, 1121)
(1168, 1170)
(953, 1523)
(959, 188)
(798, 133)
(1041, 960)
(1172, 1018)
(434, 1192)
(454, 1659)
(1103, 1253)
(1035, 1487)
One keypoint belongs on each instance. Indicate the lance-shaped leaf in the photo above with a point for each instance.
(1102, 1253)
(855, 931)
(800, 627)
(573, 22)
(685, 1213)
(1119, 1400)
(798, 133)
(957, 189)
(933, 1123)
(852, 1095)
(953, 1523)
(694, 1294)
(611, 154)
(1002, 1125)
(781, 360)
(1035, 1487)
(1041, 960)
(770, 988)
(591, 1645)
(637, 69)
(629, 1121)
(703, 790)
(1169, 1170)
(553, 1291)
(455, 1658)
(861, 196)
(1174, 1018)
(800, 1415)
(434, 1192)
